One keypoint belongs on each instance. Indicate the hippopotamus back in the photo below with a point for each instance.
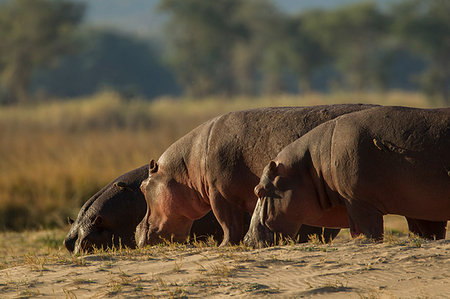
(241, 143)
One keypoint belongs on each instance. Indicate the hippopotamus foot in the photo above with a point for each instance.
(365, 219)
(202, 229)
(230, 218)
(433, 230)
(325, 235)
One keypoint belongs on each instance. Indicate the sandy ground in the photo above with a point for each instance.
(400, 267)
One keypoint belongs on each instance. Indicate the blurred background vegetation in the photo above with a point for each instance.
(92, 89)
(52, 48)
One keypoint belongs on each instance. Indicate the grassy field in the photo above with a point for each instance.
(55, 155)
(46, 245)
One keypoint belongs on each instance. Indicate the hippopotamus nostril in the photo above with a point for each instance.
(260, 191)
(144, 186)
(141, 233)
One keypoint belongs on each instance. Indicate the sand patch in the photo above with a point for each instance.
(399, 268)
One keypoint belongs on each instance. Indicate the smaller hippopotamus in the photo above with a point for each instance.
(109, 218)
(350, 171)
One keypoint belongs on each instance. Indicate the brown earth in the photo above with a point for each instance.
(402, 266)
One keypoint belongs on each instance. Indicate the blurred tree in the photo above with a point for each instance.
(34, 33)
(354, 35)
(306, 53)
(260, 56)
(202, 35)
(108, 59)
(425, 26)
(228, 46)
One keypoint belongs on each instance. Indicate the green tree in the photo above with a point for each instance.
(34, 33)
(354, 36)
(227, 47)
(201, 37)
(260, 57)
(306, 53)
(108, 59)
(425, 26)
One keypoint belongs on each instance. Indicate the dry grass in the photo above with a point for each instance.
(32, 248)
(56, 155)
(36, 262)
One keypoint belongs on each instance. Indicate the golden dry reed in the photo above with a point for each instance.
(55, 155)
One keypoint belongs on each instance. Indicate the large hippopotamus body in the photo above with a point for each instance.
(109, 218)
(350, 171)
(216, 166)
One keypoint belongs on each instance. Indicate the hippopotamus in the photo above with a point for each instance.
(352, 170)
(109, 218)
(215, 167)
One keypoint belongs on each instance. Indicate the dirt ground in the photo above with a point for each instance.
(401, 266)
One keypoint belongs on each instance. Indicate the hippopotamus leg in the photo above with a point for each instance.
(434, 230)
(365, 219)
(202, 229)
(230, 218)
(326, 235)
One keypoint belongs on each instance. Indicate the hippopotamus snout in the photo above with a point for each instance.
(260, 191)
(145, 235)
(84, 245)
(259, 234)
(141, 234)
(69, 243)
(143, 186)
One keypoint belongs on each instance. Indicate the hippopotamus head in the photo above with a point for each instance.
(274, 191)
(167, 216)
(109, 218)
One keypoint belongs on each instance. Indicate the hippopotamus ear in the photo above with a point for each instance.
(272, 167)
(276, 169)
(153, 166)
(70, 220)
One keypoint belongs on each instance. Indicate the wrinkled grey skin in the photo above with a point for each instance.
(216, 166)
(113, 213)
(352, 170)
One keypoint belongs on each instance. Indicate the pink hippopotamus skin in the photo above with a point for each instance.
(215, 167)
(352, 170)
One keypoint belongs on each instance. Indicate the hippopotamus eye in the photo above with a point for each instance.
(97, 221)
(122, 186)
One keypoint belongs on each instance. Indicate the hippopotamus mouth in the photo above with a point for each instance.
(259, 235)
(145, 235)
(69, 243)
(141, 234)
